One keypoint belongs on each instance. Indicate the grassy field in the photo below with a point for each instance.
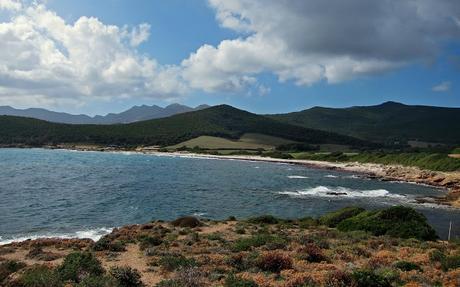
(430, 161)
(248, 141)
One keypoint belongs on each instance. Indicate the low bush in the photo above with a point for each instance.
(332, 219)
(187, 221)
(97, 281)
(169, 283)
(450, 262)
(397, 221)
(234, 281)
(407, 266)
(244, 244)
(189, 277)
(437, 256)
(312, 253)
(274, 262)
(39, 276)
(147, 241)
(366, 278)
(243, 261)
(126, 277)
(9, 267)
(173, 262)
(105, 244)
(78, 265)
(264, 219)
(38, 253)
(338, 278)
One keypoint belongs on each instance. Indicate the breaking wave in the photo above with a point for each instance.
(341, 192)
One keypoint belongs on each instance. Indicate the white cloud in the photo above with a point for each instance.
(306, 41)
(301, 41)
(10, 5)
(442, 87)
(59, 63)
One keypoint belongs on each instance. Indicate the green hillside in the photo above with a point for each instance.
(220, 121)
(387, 122)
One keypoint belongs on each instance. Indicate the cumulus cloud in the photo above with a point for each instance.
(58, 63)
(306, 41)
(442, 87)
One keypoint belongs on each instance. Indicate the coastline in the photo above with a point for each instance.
(449, 181)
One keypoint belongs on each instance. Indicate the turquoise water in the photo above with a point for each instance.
(85, 194)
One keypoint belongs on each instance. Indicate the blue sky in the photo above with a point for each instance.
(178, 29)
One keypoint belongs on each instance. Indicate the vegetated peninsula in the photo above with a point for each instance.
(349, 247)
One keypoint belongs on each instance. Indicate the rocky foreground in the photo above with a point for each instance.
(263, 251)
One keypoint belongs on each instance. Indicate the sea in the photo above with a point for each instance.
(76, 194)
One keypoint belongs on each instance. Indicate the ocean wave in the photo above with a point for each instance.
(94, 234)
(297, 176)
(331, 176)
(342, 192)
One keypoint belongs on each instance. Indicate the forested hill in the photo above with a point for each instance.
(222, 121)
(387, 122)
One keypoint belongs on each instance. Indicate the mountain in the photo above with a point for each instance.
(220, 121)
(134, 114)
(387, 122)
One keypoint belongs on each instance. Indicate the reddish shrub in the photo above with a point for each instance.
(274, 262)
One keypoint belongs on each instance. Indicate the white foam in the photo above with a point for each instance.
(331, 176)
(297, 176)
(342, 192)
(94, 234)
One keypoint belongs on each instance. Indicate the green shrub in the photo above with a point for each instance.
(78, 265)
(367, 278)
(274, 262)
(332, 219)
(9, 267)
(147, 241)
(450, 262)
(407, 266)
(126, 276)
(437, 256)
(97, 281)
(105, 244)
(173, 262)
(397, 221)
(39, 276)
(233, 281)
(264, 219)
(308, 222)
(244, 244)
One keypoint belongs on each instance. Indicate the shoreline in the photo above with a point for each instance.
(449, 181)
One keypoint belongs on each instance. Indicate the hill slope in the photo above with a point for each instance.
(222, 121)
(134, 114)
(387, 122)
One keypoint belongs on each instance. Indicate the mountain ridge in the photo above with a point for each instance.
(134, 114)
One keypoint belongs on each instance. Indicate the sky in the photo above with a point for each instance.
(265, 56)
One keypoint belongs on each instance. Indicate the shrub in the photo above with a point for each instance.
(147, 241)
(338, 278)
(126, 276)
(173, 262)
(264, 219)
(97, 281)
(169, 283)
(189, 277)
(332, 219)
(450, 262)
(233, 281)
(187, 221)
(215, 237)
(37, 253)
(366, 278)
(39, 276)
(397, 221)
(105, 244)
(9, 267)
(274, 262)
(308, 222)
(437, 256)
(407, 266)
(312, 253)
(242, 261)
(78, 265)
(244, 244)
